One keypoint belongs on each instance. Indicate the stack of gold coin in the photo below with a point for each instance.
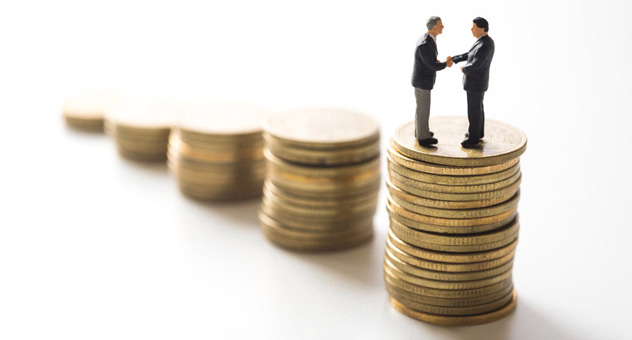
(216, 151)
(85, 111)
(323, 179)
(141, 127)
(453, 223)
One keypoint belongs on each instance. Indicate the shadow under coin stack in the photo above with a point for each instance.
(141, 128)
(323, 179)
(454, 223)
(216, 151)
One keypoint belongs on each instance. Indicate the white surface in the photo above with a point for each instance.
(95, 247)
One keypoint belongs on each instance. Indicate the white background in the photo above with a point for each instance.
(96, 247)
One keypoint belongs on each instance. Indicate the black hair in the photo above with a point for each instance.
(481, 23)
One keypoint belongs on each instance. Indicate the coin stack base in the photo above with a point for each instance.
(453, 223)
(323, 179)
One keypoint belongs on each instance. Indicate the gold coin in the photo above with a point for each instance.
(323, 183)
(439, 181)
(339, 203)
(327, 157)
(442, 196)
(142, 156)
(222, 118)
(502, 143)
(443, 266)
(311, 212)
(184, 150)
(438, 169)
(461, 213)
(454, 311)
(344, 171)
(451, 222)
(455, 189)
(509, 231)
(456, 248)
(406, 218)
(314, 221)
(341, 193)
(362, 183)
(91, 125)
(394, 281)
(447, 205)
(444, 276)
(436, 256)
(448, 285)
(458, 320)
(428, 300)
(321, 128)
(306, 241)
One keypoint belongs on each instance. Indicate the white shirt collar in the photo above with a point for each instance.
(433, 37)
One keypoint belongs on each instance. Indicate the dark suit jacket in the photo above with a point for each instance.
(426, 63)
(476, 70)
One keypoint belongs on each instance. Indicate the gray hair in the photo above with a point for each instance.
(432, 21)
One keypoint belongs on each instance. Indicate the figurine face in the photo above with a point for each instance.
(437, 29)
(477, 31)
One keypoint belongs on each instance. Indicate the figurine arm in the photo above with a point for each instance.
(459, 58)
(429, 59)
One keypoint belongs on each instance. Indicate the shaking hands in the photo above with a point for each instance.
(449, 61)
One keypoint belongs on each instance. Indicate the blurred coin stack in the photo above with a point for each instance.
(85, 111)
(141, 127)
(453, 223)
(323, 179)
(216, 151)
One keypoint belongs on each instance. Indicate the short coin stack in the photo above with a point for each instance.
(141, 128)
(216, 151)
(454, 223)
(85, 111)
(323, 179)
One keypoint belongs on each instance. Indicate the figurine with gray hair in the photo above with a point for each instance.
(424, 74)
(476, 79)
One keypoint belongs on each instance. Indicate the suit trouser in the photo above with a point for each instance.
(422, 131)
(476, 114)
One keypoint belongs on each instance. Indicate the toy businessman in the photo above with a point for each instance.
(476, 80)
(424, 74)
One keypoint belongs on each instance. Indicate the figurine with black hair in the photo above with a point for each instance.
(476, 80)
(424, 74)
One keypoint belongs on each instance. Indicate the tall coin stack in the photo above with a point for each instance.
(453, 223)
(323, 179)
(141, 128)
(216, 151)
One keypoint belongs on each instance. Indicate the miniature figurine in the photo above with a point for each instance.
(476, 80)
(424, 74)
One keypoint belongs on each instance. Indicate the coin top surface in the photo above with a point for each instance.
(502, 142)
(224, 118)
(321, 126)
(90, 105)
(143, 113)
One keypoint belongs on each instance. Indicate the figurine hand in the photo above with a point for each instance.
(461, 69)
(449, 62)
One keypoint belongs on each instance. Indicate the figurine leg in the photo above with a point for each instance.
(475, 115)
(483, 117)
(422, 114)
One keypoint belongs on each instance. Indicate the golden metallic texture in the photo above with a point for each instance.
(501, 144)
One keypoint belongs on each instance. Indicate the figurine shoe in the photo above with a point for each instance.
(427, 141)
(469, 143)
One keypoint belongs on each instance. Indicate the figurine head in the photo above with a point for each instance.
(434, 25)
(480, 27)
